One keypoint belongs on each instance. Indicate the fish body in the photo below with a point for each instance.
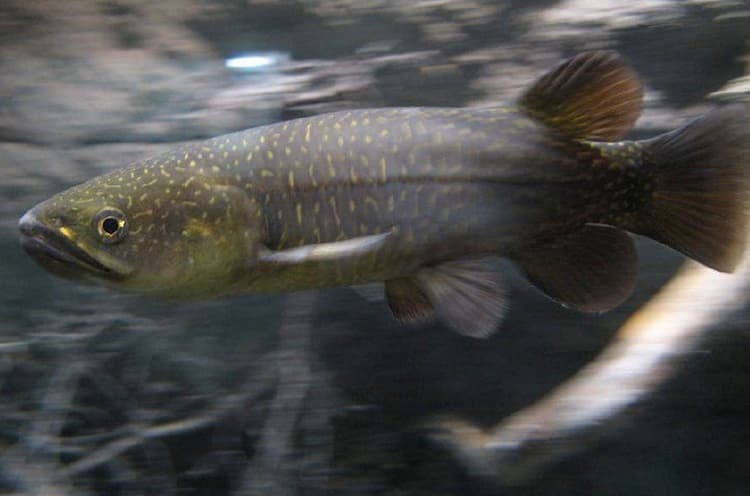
(423, 199)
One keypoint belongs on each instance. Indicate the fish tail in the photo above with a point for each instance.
(699, 199)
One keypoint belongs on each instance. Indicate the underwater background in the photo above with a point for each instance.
(323, 392)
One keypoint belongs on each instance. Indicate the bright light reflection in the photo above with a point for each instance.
(251, 62)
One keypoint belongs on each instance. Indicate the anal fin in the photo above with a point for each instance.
(592, 269)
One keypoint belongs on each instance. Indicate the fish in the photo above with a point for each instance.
(426, 200)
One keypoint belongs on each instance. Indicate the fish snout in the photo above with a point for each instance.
(29, 224)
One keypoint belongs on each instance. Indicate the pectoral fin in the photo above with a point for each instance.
(466, 294)
(592, 269)
(323, 252)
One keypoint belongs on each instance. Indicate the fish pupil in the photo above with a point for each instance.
(110, 225)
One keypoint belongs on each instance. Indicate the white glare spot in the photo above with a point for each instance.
(255, 62)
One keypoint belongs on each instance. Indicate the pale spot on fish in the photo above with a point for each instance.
(332, 201)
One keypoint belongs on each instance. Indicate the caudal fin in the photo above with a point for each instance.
(701, 182)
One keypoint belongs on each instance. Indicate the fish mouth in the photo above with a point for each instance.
(59, 254)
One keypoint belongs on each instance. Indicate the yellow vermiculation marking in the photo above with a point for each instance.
(353, 175)
(383, 169)
(364, 160)
(192, 163)
(368, 139)
(407, 130)
(311, 172)
(266, 173)
(384, 133)
(269, 154)
(307, 132)
(332, 201)
(298, 207)
(369, 200)
(291, 179)
(352, 206)
(287, 151)
(142, 213)
(249, 156)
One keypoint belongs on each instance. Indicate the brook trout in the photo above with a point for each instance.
(423, 199)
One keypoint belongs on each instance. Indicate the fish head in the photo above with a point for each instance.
(177, 237)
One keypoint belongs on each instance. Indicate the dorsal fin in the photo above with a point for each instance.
(594, 96)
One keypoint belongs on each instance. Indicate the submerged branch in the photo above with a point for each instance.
(269, 474)
(641, 358)
(257, 384)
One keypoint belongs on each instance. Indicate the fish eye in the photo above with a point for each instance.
(111, 225)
